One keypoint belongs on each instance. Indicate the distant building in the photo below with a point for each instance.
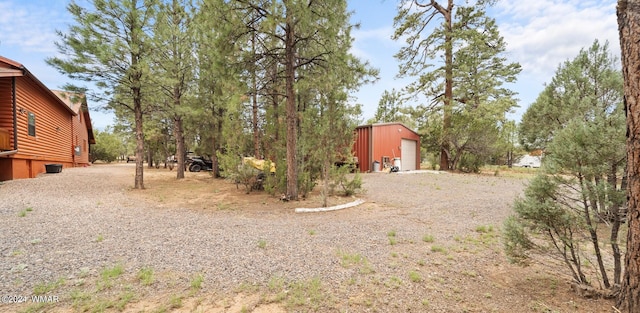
(39, 126)
(387, 144)
(533, 161)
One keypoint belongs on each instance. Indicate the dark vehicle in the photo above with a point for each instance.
(197, 164)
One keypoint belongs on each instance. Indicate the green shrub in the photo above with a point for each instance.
(145, 275)
(349, 184)
(470, 163)
(415, 276)
(428, 238)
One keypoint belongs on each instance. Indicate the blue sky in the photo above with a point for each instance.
(539, 34)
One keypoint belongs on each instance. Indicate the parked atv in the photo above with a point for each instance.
(198, 164)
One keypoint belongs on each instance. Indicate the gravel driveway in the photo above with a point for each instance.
(73, 224)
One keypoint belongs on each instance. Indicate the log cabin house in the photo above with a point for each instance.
(39, 126)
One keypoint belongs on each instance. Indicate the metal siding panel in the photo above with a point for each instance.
(370, 148)
(388, 141)
(363, 158)
(376, 144)
(375, 141)
(362, 148)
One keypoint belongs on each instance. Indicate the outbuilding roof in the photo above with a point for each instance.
(388, 124)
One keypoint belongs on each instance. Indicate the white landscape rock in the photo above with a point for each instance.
(331, 208)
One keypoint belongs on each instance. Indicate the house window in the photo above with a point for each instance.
(32, 124)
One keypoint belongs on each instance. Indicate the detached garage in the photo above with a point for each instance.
(387, 144)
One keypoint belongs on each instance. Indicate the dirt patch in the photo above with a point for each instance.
(199, 191)
(206, 303)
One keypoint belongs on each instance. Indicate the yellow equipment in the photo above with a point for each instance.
(258, 164)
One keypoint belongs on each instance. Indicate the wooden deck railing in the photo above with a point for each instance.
(5, 141)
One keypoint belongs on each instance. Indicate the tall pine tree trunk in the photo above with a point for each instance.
(180, 148)
(135, 76)
(138, 120)
(215, 142)
(292, 112)
(326, 167)
(448, 92)
(445, 146)
(137, 103)
(149, 155)
(628, 12)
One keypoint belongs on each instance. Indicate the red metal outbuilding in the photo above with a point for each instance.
(387, 143)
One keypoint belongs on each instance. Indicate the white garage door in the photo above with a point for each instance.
(408, 161)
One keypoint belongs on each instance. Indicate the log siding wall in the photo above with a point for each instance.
(80, 138)
(53, 139)
(59, 127)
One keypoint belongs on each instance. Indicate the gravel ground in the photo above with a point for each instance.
(75, 223)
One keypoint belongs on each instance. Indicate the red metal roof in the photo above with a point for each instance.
(389, 123)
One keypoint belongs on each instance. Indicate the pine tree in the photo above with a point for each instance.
(220, 90)
(173, 67)
(109, 45)
(466, 88)
(296, 37)
(389, 107)
(579, 186)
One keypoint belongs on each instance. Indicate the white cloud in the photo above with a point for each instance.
(542, 34)
(376, 46)
(29, 27)
(371, 44)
